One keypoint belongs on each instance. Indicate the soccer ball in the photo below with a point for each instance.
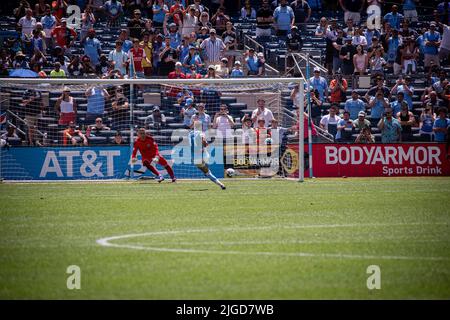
(230, 172)
(268, 141)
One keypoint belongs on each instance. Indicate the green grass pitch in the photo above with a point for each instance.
(270, 239)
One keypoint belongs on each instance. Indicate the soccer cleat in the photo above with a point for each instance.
(160, 179)
(174, 180)
(223, 187)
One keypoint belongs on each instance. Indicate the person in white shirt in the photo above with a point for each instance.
(27, 23)
(223, 122)
(329, 122)
(262, 112)
(119, 58)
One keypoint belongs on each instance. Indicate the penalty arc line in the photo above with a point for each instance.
(106, 242)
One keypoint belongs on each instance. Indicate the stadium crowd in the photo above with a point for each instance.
(199, 39)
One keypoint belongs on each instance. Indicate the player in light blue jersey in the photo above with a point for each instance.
(199, 153)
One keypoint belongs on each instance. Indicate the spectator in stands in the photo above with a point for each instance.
(118, 138)
(320, 84)
(393, 43)
(354, 105)
(295, 128)
(338, 88)
(219, 20)
(213, 48)
(329, 122)
(409, 56)
(96, 97)
(10, 133)
(172, 32)
(202, 116)
(147, 45)
(127, 44)
(49, 23)
(138, 55)
(284, 19)
(360, 61)
(344, 128)
(394, 18)
(377, 63)
(316, 106)
(264, 19)
(409, 10)
(405, 86)
(190, 22)
(168, 57)
(407, 121)
(74, 135)
(103, 67)
(346, 55)
(136, 25)
(57, 72)
(156, 120)
(222, 70)
(118, 58)
(64, 36)
(192, 60)
(247, 11)
(433, 100)
(337, 45)
(75, 67)
(27, 24)
(187, 112)
(229, 38)
(365, 136)
(237, 71)
(440, 126)
(66, 108)
(396, 105)
(294, 41)
(251, 61)
(379, 85)
(302, 12)
(114, 11)
(120, 110)
(378, 104)
(87, 22)
(178, 72)
(438, 84)
(322, 28)
(160, 10)
(198, 6)
(406, 31)
(223, 122)
(38, 58)
(94, 130)
(390, 128)
(361, 122)
(349, 30)
(20, 11)
(359, 39)
(32, 106)
(184, 95)
(352, 9)
(211, 73)
(262, 112)
(370, 33)
(203, 21)
(432, 41)
(427, 118)
(92, 48)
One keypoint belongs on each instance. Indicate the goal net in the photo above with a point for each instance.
(59, 129)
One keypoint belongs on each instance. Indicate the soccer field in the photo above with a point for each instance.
(270, 239)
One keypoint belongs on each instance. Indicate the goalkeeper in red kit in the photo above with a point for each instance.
(150, 155)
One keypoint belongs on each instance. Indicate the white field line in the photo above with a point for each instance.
(107, 242)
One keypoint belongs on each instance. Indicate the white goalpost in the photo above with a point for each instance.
(63, 129)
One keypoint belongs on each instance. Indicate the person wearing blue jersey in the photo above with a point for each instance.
(200, 154)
